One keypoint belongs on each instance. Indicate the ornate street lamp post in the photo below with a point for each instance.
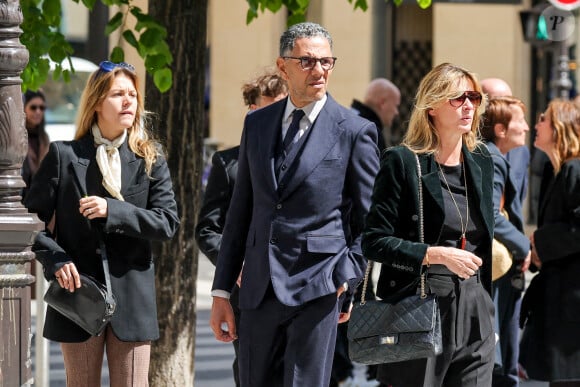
(17, 226)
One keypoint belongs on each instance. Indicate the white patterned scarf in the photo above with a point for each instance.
(109, 161)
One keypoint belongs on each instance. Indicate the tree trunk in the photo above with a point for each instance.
(180, 123)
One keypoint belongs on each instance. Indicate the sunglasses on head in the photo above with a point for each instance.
(37, 107)
(108, 66)
(473, 96)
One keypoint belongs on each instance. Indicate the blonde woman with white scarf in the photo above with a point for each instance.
(110, 182)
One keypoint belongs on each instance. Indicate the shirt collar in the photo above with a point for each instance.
(311, 110)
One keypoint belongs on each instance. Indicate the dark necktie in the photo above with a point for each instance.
(292, 129)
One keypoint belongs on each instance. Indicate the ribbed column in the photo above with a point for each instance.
(17, 226)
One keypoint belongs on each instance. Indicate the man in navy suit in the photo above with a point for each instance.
(258, 93)
(302, 192)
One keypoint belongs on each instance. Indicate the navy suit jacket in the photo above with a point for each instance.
(519, 159)
(302, 236)
(509, 232)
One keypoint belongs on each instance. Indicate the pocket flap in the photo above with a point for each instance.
(411, 314)
(325, 244)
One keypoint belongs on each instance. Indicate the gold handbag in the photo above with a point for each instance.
(501, 257)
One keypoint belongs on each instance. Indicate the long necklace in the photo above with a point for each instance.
(463, 228)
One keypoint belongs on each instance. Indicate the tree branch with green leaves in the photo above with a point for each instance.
(297, 8)
(45, 42)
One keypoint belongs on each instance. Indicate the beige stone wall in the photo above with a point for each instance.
(238, 52)
(351, 33)
(486, 39)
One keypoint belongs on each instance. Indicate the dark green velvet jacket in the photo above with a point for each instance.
(391, 234)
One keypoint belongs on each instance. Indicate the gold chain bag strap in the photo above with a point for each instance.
(409, 328)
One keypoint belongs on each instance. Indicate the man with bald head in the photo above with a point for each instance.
(496, 87)
(381, 106)
(507, 298)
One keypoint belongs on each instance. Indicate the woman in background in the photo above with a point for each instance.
(550, 348)
(110, 183)
(34, 107)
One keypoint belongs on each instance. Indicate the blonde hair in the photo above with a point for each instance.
(439, 86)
(565, 119)
(98, 85)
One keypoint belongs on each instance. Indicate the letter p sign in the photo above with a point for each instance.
(560, 23)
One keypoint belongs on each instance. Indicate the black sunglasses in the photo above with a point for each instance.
(37, 107)
(107, 66)
(473, 96)
(541, 117)
(308, 62)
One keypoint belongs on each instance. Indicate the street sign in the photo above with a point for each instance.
(566, 5)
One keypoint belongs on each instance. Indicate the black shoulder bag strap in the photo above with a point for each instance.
(105, 262)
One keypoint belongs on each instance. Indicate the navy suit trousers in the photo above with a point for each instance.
(288, 346)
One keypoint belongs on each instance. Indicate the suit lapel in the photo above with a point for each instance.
(84, 150)
(129, 167)
(432, 183)
(324, 134)
(477, 181)
(271, 127)
(431, 180)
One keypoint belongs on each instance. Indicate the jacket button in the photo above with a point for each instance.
(278, 206)
(392, 283)
(283, 167)
(415, 218)
(274, 241)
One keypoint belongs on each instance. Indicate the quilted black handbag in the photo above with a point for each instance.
(91, 306)
(384, 332)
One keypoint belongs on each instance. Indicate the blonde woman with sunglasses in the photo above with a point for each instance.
(111, 183)
(457, 176)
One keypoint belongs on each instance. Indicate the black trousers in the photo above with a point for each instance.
(468, 339)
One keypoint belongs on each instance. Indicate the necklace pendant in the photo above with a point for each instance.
(462, 241)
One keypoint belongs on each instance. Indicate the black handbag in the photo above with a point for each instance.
(91, 306)
(410, 328)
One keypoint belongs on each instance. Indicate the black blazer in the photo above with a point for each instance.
(554, 294)
(217, 198)
(366, 112)
(391, 234)
(558, 233)
(149, 212)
